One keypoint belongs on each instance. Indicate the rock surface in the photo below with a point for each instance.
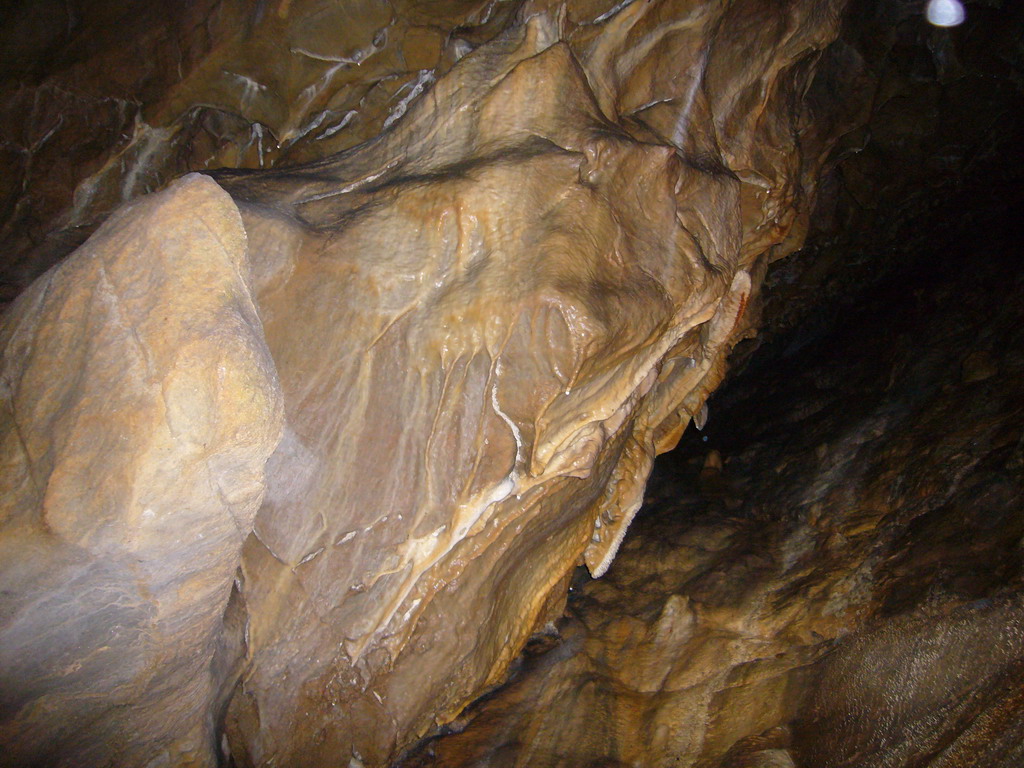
(485, 322)
(100, 104)
(138, 407)
(104, 102)
(517, 304)
(520, 280)
(837, 582)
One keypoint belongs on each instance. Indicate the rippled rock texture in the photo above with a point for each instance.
(103, 102)
(518, 304)
(483, 324)
(461, 342)
(833, 579)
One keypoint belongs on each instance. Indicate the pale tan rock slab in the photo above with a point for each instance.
(138, 406)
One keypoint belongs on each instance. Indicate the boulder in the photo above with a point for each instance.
(138, 406)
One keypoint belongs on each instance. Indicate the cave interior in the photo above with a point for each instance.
(339, 339)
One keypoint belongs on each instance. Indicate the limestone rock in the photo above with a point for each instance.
(138, 407)
(861, 607)
(486, 322)
(487, 319)
(102, 103)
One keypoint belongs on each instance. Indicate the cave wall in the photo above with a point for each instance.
(103, 102)
(830, 575)
(463, 339)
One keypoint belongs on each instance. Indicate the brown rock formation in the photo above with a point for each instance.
(103, 102)
(139, 406)
(855, 603)
(463, 341)
(486, 322)
(506, 332)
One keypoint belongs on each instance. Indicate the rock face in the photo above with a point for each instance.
(485, 323)
(837, 583)
(139, 406)
(460, 343)
(517, 304)
(103, 103)
(99, 105)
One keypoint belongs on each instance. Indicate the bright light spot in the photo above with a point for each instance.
(945, 13)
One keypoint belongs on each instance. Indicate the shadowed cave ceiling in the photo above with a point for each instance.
(340, 339)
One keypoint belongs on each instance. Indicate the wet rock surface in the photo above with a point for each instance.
(464, 339)
(485, 322)
(103, 102)
(506, 334)
(834, 577)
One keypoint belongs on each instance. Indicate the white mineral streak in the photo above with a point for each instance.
(257, 135)
(333, 129)
(146, 145)
(355, 59)
(696, 75)
(289, 133)
(314, 123)
(612, 11)
(424, 553)
(423, 79)
(250, 88)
